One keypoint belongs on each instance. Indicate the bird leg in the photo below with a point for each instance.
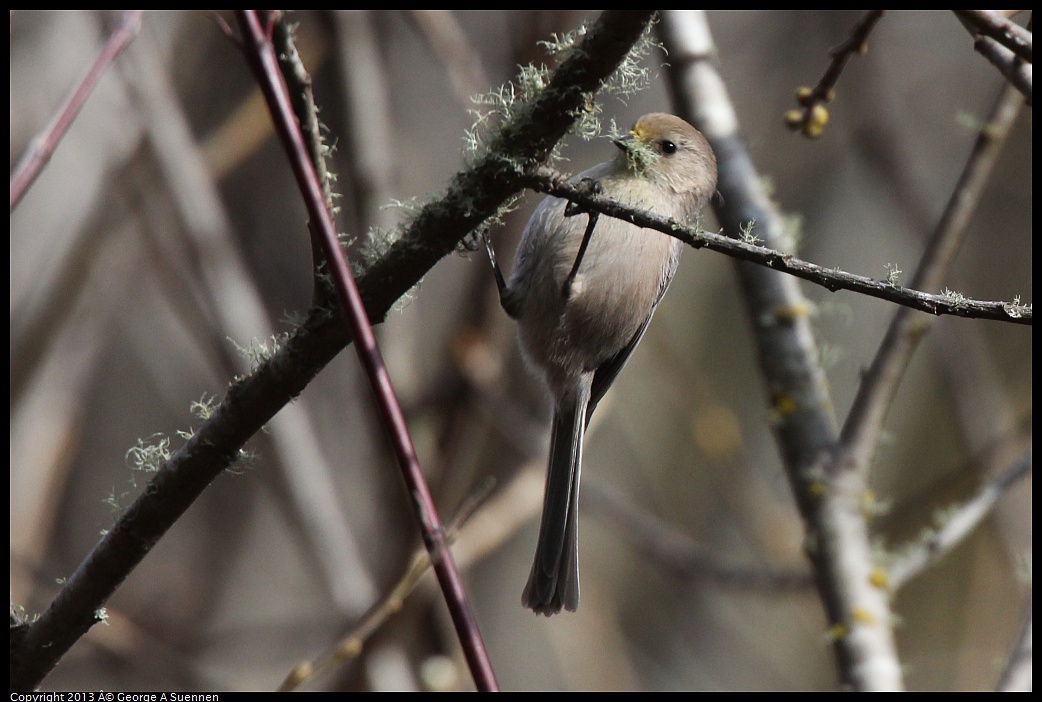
(566, 289)
(501, 284)
(570, 210)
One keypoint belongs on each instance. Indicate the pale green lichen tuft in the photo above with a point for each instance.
(258, 352)
(955, 299)
(203, 407)
(892, 273)
(149, 455)
(501, 105)
(745, 233)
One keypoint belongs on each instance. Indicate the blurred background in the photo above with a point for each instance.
(167, 232)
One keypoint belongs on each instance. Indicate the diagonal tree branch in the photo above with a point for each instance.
(546, 180)
(1017, 675)
(827, 475)
(838, 540)
(42, 147)
(958, 524)
(812, 116)
(1005, 44)
(994, 24)
(472, 197)
(863, 425)
(1013, 69)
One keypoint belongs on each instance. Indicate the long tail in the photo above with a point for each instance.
(554, 581)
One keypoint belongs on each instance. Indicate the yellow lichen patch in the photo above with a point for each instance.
(790, 313)
(870, 504)
(862, 616)
(784, 406)
(838, 631)
(349, 648)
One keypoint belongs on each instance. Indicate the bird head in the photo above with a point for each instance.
(670, 152)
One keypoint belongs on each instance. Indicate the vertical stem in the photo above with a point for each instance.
(262, 57)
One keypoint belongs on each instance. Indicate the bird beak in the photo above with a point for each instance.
(625, 142)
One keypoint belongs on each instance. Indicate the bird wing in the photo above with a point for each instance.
(606, 373)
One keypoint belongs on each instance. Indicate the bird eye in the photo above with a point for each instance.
(668, 147)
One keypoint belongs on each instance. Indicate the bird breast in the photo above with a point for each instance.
(621, 277)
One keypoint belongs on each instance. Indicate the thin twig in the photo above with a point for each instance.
(302, 97)
(992, 23)
(42, 147)
(1018, 672)
(351, 645)
(1006, 45)
(226, 29)
(546, 180)
(810, 120)
(862, 428)
(958, 524)
(1012, 68)
(261, 55)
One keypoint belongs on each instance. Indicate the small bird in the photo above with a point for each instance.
(583, 290)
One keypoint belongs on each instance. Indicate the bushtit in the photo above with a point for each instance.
(582, 310)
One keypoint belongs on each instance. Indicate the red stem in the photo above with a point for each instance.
(262, 57)
(42, 147)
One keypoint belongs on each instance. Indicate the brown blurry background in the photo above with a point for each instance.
(167, 230)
